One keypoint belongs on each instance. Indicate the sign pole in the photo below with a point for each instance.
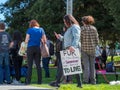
(69, 5)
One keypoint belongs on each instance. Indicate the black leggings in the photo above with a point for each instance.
(33, 53)
(17, 62)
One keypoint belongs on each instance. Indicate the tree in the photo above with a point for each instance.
(102, 17)
(49, 14)
(16, 15)
(113, 7)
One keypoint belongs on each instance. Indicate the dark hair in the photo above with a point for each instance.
(69, 19)
(17, 36)
(2, 25)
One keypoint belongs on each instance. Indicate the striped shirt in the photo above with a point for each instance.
(89, 39)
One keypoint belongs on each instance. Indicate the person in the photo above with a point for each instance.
(71, 41)
(5, 44)
(98, 57)
(104, 57)
(59, 47)
(89, 41)
(17, 59)
(33, 38)
(45, 60)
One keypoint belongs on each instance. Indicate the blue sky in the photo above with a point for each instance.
(1, 16)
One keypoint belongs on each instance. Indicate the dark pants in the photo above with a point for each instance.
(33, 53)
(104, 59)
(59, 68)
(17, 62)
(45, 62)
(60, 72)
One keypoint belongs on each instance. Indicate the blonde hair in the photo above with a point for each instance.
(88, 19)
(34, 23)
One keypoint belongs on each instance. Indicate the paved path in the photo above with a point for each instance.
(21, 87)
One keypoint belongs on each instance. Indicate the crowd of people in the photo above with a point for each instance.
(73, 36)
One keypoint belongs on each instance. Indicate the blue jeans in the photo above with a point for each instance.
(4, 67)
(45, 62)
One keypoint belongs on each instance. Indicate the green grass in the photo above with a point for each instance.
(102, 85)
(115, 58)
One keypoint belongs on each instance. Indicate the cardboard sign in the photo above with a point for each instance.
(71, 62)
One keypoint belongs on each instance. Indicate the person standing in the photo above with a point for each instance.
(89, 41)
(46, 60)
(104, 57)
(59, 47)
(5, 44)
(71, 40)
(33, 38)
(17, 59)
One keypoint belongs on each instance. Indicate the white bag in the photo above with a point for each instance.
(71, 62)
(23, 49)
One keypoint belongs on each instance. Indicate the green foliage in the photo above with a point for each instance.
(49, 14)
(113, 7)
(103, 19)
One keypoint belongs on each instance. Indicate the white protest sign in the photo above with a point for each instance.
(71, 62)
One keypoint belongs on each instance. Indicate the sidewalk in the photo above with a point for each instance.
(21, 87)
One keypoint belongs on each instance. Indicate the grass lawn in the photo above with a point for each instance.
(102, 85)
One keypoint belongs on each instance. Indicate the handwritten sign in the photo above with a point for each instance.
(71, 62)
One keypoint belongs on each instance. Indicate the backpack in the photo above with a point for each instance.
(110, 67)
(51, 48)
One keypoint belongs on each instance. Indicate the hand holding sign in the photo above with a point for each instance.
(71, 62)
(71, 49)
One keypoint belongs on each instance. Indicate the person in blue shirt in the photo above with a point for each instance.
(34, 35)
(46, 60)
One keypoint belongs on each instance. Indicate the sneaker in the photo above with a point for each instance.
(54, 84)
(16, 82)
(6, 82)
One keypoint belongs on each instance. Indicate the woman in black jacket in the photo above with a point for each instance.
(17, 60)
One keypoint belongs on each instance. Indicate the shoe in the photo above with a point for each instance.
(39, 83)
(70, 82)
(93, 83)
(16, 82)
(47, 76)
(54, 84)
(7, 82)
(79, 86)
(86, 83)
